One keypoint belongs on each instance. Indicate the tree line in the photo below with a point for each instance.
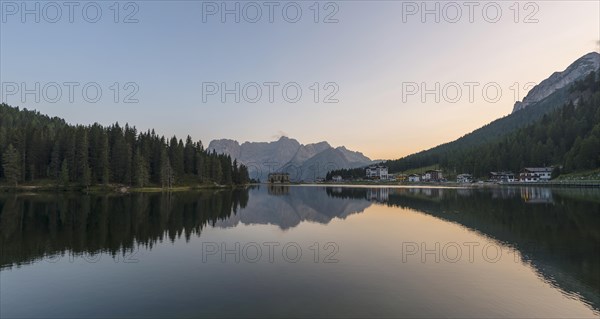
(36, 148)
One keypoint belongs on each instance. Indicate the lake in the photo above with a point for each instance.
(303, 251)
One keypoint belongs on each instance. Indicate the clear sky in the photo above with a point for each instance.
(374, 53)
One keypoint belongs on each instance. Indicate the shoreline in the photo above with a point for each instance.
(122, 189)
(565, 184)
(112, 189)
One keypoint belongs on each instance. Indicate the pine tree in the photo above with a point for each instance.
(235, 176)
(217, 173)
(244, 176)
(207, 169)
(86, 176)
(54, 168)
(200, 170)
(166, 171)
(82, 170)
(227, 178)
(103, 160)
(141, 175)
(120, 156)
(64, 173)
(11, 164)
(188, 156)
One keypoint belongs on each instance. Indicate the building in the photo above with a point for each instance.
(502, 177)
(278, 178)
(535, 174)
(377, 172)
(414, 178)
(337, 178)
(464, 178)
(433, 175)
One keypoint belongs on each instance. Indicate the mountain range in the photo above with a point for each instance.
(304, 162)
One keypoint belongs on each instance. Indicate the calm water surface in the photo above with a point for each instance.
(303, 252)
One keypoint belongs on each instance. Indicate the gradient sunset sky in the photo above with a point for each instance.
(369, 53)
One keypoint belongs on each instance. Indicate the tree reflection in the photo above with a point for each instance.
(35, 226)
(556, 231)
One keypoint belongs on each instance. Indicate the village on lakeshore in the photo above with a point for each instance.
(380, 174)
(527, 175)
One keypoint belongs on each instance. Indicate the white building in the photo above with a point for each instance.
(464, 178)
(536, 174)
(502, 177)
(432, 175)
(414, 178)
(377, 172)
(337, 178)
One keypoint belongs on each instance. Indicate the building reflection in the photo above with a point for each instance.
(378, 194)
(530, 195)
(505, 192)
(278, 189)
(427, 192)
(535, 195)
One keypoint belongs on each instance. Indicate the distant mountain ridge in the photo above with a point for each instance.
(304, 162)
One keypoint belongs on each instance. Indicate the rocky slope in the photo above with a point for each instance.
(577, 70)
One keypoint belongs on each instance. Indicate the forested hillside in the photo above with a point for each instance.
(547, 133)
(567, 137)
(483, 135)
(36, 148)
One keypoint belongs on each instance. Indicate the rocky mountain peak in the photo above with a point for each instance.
(558, 80)
(307, 162)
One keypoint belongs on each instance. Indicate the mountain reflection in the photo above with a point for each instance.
(555, 231)
(288, 206)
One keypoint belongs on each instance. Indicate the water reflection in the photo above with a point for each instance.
(536, 195)
(304, 204)
(36, 226)
(278, 189)
(555, 231)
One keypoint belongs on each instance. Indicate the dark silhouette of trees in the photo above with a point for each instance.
(11, 165)
(35, 147)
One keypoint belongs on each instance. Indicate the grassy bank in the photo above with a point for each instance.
(591, 175)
